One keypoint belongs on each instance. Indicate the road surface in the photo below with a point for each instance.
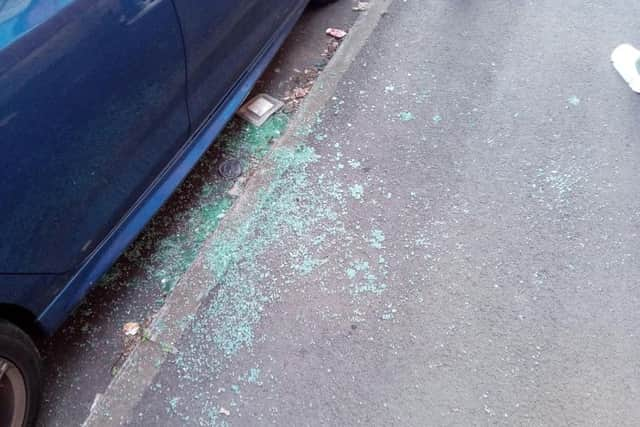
(453, 241)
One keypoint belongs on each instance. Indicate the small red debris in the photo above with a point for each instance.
(336, 33)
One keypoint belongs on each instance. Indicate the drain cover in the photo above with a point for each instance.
(230, 168)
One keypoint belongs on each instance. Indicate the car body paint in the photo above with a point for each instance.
(89, 126)
(209, 33)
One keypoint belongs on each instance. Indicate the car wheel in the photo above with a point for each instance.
(20, 377)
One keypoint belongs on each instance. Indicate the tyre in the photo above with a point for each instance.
(20, 377)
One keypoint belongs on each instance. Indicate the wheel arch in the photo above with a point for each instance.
(22, 318)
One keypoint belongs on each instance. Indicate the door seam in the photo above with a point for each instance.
(186, 66)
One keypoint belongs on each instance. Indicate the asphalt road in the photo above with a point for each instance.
(454, 241)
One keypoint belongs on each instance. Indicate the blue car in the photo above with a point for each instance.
(105, 106)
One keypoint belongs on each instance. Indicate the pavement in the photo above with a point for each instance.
(446, 234)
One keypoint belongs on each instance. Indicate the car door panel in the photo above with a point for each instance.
(92, 109)
(222, 38)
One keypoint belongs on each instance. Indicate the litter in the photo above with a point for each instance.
(336, 33)
(361, 6)
(131, 328)
(258, 110)
(300, 92)
(625, 59)
(224, 411)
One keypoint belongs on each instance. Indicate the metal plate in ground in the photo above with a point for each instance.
(259, 108)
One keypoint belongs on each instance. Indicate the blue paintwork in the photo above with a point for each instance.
(208, 35)
(104, 110)
(87, 124)
(17, 17)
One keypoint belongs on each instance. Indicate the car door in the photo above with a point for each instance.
(92, 108)
(222, 38)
